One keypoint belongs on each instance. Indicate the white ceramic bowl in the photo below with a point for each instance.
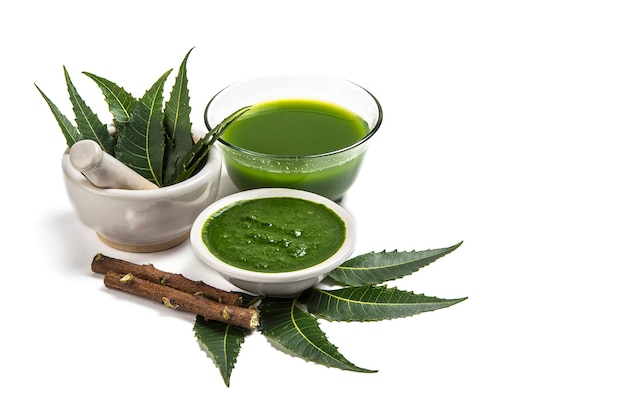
(143, 220)
(283, 284)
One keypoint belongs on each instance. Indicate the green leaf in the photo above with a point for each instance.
(141, 143)
(177, 122)
(370, 303)
(222, 342)
(198, 153)
(87, 121)
(298, 332)
(121, 103)
(386, 265)
(71, 133)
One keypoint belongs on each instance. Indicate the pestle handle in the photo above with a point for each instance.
(103, 170)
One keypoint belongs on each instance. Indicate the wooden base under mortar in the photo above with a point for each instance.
(144, 248)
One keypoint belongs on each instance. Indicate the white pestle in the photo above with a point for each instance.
(104, 170)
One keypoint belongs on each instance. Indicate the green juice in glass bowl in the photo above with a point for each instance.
(308, 133)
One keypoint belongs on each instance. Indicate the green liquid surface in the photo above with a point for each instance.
(272, 235)
(296, 127)
(299, 128)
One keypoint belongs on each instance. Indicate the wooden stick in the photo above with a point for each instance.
(102, 264)
(187, 302)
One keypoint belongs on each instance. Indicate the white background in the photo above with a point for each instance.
(503, 127)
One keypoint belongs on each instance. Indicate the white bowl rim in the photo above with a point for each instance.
(320, 269)
(213, 162)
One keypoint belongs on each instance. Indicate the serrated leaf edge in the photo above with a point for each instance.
(451, 248)
(116, 103)
(229, 366)
(347, 365)
(70, 132)
(447, 302)
(87, 121)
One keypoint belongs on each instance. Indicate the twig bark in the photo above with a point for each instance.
(102, 264)
(183, 301)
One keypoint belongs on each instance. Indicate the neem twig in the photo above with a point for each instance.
(183, 301)
(102, 264)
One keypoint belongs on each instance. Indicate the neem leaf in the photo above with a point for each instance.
(370, 303)
(141, 143)
(177, 109)
(121, 103)
(87, 121)
(386, 265)
(198, 153)
(71, 133)
(177, 123)
(298, 332)
(222, 342)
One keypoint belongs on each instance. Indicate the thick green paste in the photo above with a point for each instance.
(277, 234)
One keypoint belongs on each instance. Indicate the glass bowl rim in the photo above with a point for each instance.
(253, 153)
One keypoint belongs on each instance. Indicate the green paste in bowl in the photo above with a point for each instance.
(274, 235)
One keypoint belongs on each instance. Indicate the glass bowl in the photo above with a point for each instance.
(330, 171)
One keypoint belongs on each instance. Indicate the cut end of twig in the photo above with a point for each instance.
(254, 320)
